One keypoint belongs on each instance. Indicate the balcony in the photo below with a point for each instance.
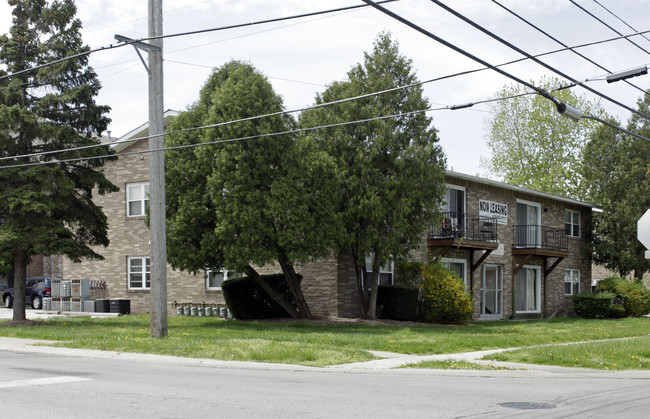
(464, 230)
(540, 240)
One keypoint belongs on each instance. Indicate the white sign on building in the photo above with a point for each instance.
(493, 209)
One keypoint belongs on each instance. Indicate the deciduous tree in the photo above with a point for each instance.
(617, 170)
(533, 145)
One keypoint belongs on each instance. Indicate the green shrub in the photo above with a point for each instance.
(593, 306)
(616, 311)
(409, 273)
(397, 302)
(444, 299)
(247, 300)
(633, 295)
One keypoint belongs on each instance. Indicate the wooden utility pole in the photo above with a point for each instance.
(157, 211)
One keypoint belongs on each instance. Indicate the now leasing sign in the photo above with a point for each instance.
(493, 209)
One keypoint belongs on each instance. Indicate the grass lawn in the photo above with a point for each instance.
(305, 343)
(623, 354)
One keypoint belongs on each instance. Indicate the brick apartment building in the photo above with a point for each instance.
(498, 237)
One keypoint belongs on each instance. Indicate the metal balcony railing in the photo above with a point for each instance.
(540, 237)
(461, 225)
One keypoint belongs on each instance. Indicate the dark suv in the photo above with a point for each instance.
(36, 288)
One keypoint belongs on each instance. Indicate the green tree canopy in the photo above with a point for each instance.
(391, 170)
(617, 171)
(252, 202)
(533, 145)
(48, 209)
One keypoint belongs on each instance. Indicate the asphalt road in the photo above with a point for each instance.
(65, 383)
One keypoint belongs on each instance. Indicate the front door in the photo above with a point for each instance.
(491, 291)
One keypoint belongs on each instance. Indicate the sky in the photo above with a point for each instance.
(302, 57)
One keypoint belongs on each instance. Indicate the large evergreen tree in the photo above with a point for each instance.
(48, 208)
(391, 170)
(248, 203)
(617, 171)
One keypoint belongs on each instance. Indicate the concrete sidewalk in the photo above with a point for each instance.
(8, 314)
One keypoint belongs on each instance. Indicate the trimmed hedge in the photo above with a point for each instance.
(247, 300)
(593, 306)
(397, 302)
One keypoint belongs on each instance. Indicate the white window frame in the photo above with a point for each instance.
(225, 273)
(146, 272)
(143, 200)
(538, 289)
(572, 277)
(572, 223)
(446, 261)
(387, 268)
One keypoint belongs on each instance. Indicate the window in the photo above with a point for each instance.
(572, 223)
(571, 281)
(386, 272)
(139, 272)
(528, 224)
(213, 279)
(528, 289)
(453, 209)
(459, 266)
(137, 199)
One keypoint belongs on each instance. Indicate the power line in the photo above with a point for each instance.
(613, 14)
(460, 50)
(111, 46)
(562, 43)
(608, 26)
(295, 131)
(543, 64)
(454, 107)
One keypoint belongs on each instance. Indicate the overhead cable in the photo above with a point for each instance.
(134, 41)
(542, 63)
(561, 43)
(608, 26)
(624, 22)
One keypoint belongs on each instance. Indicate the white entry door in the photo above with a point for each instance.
(492, 291)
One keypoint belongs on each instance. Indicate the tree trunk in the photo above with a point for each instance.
(271, 292)
(295, 288)
(20, 276)
(372, 303)
(360, 271)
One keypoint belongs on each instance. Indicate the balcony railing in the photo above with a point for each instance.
(459, 225)
(540, 237)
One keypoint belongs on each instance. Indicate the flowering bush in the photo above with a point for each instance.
(444, 299)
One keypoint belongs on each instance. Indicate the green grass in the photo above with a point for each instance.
(624, 354)
(317, 345)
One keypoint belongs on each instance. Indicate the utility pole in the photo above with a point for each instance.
(157, 212)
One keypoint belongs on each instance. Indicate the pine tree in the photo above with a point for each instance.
(47, 205)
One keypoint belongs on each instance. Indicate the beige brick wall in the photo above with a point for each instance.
(129, 236)
(553, 300)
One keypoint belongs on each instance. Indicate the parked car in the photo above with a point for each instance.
(35, 290)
